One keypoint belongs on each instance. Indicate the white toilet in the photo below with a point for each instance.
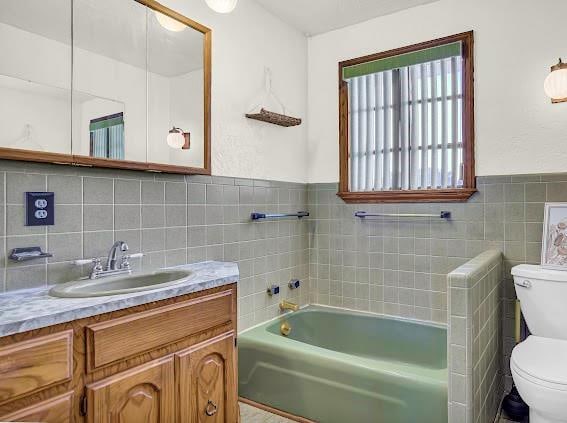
(539, 364)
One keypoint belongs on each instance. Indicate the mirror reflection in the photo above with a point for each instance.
(143, 76)
(35, 75)
(175, 92)
(109, 78)
(127, 84)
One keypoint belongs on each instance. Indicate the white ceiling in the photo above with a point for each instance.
(112, 28)
(117, 28)
(317, 16)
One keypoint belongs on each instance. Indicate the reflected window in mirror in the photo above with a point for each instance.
(107, 137)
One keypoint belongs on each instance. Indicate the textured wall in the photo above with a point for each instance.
(513, 117)
(172, 219)
(244, 43)
(475, 339)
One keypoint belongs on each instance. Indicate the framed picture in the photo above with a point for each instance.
(554, 243)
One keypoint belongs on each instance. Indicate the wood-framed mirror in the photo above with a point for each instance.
(105, 83)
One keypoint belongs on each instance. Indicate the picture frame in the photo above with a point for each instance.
(554, 241)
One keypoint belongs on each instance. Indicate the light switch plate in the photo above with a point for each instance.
(40, 208)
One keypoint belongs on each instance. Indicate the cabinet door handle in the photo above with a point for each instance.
(211, 409)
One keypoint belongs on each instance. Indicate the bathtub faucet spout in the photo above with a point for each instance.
(288, 305)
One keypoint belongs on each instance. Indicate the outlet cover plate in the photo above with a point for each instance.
(40, 208)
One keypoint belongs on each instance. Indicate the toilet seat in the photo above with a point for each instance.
(541, 361)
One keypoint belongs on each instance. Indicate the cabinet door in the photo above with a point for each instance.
(143, 394)
(54, 410)
(206, 376)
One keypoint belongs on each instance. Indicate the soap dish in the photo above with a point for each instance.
(28, 253)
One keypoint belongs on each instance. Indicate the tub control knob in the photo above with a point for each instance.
(273, 290)
(294, 284)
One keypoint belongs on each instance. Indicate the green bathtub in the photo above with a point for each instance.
(338, 366)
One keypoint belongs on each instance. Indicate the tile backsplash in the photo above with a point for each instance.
(172, 219)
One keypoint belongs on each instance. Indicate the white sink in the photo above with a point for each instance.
(116, 285)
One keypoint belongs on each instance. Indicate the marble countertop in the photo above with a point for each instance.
(29, 309)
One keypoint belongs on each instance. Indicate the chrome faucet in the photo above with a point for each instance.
(113, 253)
(112, 267)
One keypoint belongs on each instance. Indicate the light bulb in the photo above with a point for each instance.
(222, 6)
(555, 85)
(175, 138)
(169, 23)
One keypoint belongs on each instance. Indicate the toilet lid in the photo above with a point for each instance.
(543, 360)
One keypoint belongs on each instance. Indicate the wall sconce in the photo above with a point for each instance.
(178, 139)
(555, 85)
(222, 6)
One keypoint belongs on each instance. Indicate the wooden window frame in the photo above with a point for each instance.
(421, 195)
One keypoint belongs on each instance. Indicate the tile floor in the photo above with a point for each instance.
(249, 414)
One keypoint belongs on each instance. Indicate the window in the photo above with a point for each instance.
(406, 126)
(107, 137)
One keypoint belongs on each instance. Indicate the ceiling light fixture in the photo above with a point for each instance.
(555, 85)
(222, 6)
(178, 139)
(169, 23)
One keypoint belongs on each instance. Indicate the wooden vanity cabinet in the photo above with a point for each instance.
(205, 377)
(58, 409)
(101, 373)
(143, 394)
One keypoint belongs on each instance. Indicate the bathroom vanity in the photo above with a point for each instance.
(166, 355)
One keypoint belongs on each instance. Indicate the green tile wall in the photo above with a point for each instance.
(399, 266)
(172, 219)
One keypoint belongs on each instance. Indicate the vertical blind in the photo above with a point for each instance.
(107, 137)
(406, 127)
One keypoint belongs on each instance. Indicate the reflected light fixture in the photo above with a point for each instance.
(178, 139)
(169, 23)
(222, 6)
(555, 85)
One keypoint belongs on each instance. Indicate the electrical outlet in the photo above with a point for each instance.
(40, 208)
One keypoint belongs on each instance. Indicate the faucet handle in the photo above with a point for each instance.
(97, 264)
(95, 261)
(125, 263)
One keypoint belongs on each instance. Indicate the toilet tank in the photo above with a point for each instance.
(543, 298)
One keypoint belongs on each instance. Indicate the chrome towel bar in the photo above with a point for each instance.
(258, 216)
(441, 215)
